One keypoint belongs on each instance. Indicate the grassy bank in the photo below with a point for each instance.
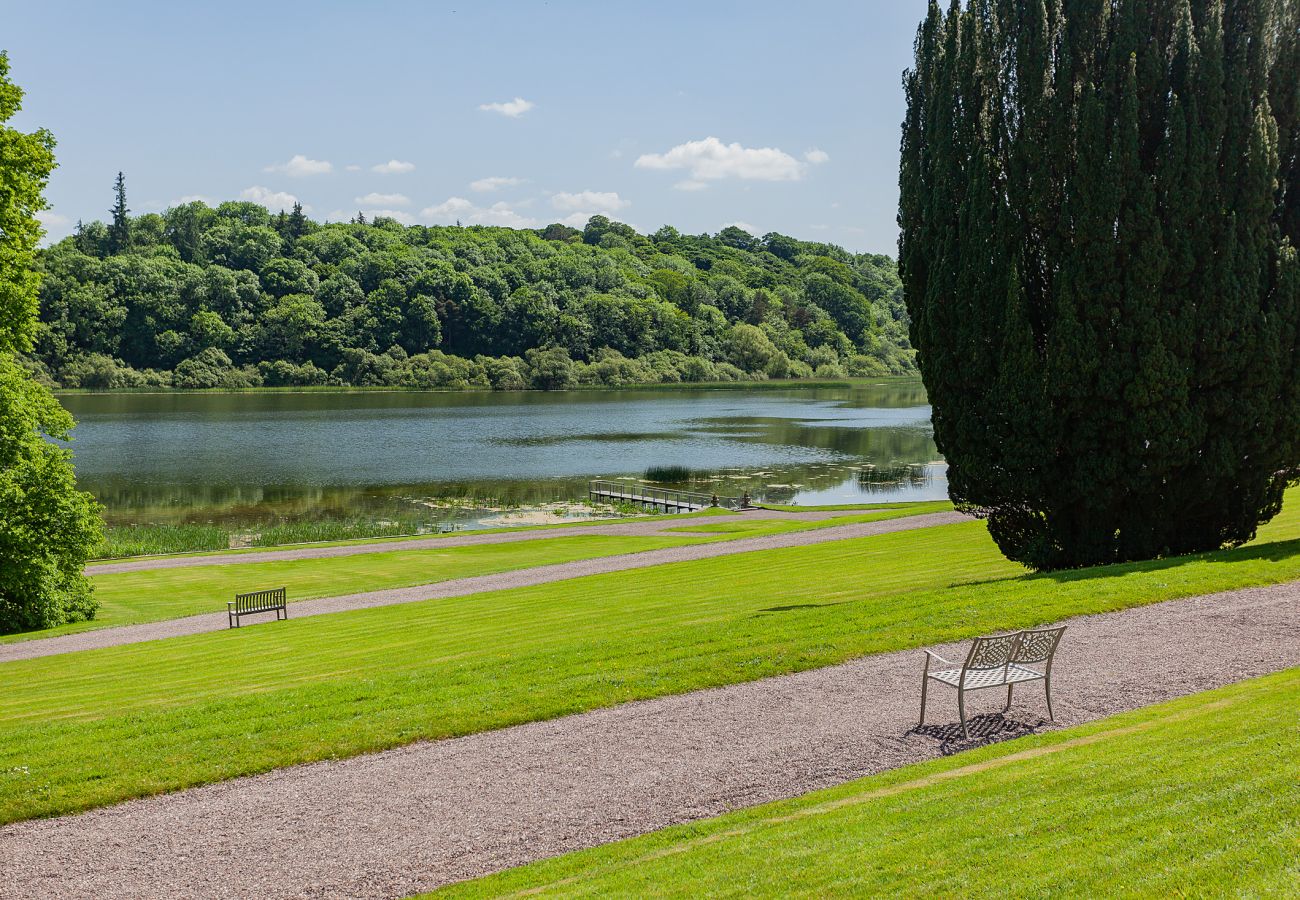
(96, 727)
(152, 595)
(1133, 805)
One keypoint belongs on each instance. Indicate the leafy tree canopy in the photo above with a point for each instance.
(237, 295)
(46, 526)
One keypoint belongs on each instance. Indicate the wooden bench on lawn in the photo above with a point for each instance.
(257, 602)
(1004, 660)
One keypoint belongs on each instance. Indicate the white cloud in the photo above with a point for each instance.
(817, 157)
(600, 201)
(455, 209)
(710, 159)
(400, 215)
(300, 167)
(744, 226)
(691, 185)
(272, 200)
(195, 198)
(393, 167)
(50, 219)
(512, 108)
(377, 199)
(494, 183)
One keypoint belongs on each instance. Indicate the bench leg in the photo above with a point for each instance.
(1010, 688)
(961, 712)
(925, 685)
(1047, 687)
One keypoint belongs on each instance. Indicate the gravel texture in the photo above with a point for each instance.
(394, 823)
(457, 587)
(658, 526)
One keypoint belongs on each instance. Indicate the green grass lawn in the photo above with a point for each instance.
(151, 595)
(1196, 797)
(100, 726)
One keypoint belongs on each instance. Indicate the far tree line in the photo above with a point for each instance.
(238, 296)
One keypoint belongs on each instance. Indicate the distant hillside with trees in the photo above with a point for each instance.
(238, 296)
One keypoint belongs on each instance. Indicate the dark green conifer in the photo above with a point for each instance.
(1100, 214)
(119, 230)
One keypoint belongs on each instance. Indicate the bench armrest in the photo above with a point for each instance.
(933, 655)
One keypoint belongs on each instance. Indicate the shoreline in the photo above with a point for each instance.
(767, 384)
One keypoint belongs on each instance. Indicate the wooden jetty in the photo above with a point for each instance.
(669, 499)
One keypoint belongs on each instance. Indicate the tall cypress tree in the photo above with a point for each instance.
(119, 230)
(1100, 210)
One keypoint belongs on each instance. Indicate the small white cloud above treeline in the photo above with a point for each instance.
(458, 209)
(816, 156)
(393, 167)
(50, 219)
(376, 199)
(301, 167)
(272, 200)
(195, 198)
(399, 215)
(599, 201)
(494, 183)
(512, 108)
(711, 160)
(744, 226)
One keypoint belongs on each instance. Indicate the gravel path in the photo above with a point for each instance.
(658, 526)
(394, 823)
(458, 587)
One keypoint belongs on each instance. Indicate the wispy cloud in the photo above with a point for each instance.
(744, 226)
(377, 199)
(50, 219)
(272, 200)
(458, 209)
(301, 167)
(195, 198)
(598, 201)
(710, 159)
(393, 167)
(512, 108)
(400, 215)
(817, 157)
(494, 183)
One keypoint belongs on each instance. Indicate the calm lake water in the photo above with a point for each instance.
(201, 457)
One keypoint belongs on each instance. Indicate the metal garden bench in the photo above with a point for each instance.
(1004, 660)
(257, 602)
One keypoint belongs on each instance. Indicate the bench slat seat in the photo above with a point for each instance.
(988, 678)
(1003, 660)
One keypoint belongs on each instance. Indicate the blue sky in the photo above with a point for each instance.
(779, 116)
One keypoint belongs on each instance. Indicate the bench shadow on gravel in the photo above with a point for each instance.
(987, 728)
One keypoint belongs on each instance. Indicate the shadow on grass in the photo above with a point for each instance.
(1277, 551)
(797, 606)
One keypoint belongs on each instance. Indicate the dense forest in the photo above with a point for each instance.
(237, 296)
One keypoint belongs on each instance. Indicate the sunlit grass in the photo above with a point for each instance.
(95, 727)
(151, 595)
(1196, 797)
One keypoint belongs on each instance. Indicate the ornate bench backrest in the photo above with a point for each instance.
(992, 652)
(1038, 645)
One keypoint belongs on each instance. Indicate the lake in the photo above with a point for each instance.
(178, 457)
